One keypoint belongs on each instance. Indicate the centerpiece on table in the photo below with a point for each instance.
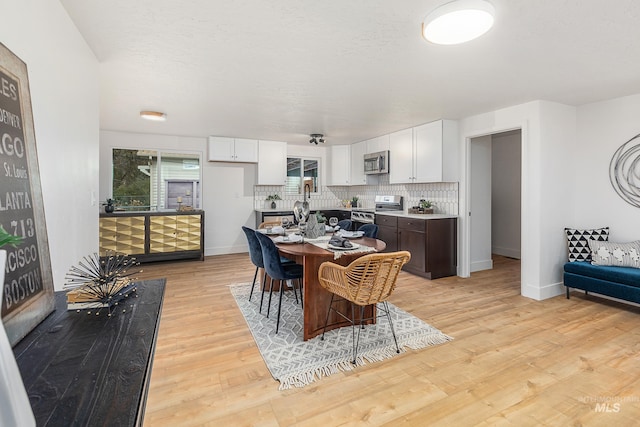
(316, 225)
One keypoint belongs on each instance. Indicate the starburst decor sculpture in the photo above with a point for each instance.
(99, 282)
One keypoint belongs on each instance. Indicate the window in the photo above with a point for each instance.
(153, 180)
(302, 173)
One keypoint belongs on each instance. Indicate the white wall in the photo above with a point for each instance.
(602, 128)
(227, 188)
(548, 135)
(63, 80)
(506, 160)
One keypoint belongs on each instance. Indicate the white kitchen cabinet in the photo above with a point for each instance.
(380, 143)
(246, 150)
(339, 165)
(431, 156)
(272, 163)
(401, 157)
(358, 150)
(225, 149)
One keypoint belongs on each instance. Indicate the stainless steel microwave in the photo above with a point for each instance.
(376, 163)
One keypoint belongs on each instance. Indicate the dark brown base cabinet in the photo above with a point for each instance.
(388, 231)
(431, 242)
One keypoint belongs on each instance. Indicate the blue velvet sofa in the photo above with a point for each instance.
(616, 282)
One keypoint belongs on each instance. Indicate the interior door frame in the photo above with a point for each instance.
(465, 254)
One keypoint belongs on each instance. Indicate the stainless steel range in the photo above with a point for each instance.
(362, 217)
(383, 203)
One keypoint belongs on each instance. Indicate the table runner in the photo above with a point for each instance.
(323, 241)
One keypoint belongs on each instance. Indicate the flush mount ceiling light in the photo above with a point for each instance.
(153, 115)
(458, 21)
(315, 138)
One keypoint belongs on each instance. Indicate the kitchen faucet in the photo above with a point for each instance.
(306, 186)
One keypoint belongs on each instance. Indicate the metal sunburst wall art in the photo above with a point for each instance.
(624, 171)
(100, 282)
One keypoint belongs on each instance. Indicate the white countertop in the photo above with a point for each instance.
(403, 214)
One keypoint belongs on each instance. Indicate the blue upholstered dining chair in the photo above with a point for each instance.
(255, 253)
(278, 271)
(345, 224)
(369, 230)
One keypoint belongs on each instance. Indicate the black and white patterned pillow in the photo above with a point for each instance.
(578, 242)
(618, 254)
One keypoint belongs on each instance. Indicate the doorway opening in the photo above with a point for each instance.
(495, 198)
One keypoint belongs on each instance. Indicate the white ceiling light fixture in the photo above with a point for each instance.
(458, 21)
(153, 115)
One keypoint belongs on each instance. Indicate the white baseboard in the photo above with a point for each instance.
(508, 252)
(225, 250)
(544, 292)
(481, 265)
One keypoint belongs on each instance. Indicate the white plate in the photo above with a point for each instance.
(274, 230)
(351, 234)
(340, 248)
(293, 238)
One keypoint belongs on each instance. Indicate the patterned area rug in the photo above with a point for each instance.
(296, 363)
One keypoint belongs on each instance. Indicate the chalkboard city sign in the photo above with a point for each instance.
(28, 285)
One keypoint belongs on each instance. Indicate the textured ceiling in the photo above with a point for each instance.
(351, 70)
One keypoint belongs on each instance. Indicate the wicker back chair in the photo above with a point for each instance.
(367, 280)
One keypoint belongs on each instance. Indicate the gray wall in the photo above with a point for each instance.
(505, 193)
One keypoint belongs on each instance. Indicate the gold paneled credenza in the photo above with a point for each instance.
(153, 236)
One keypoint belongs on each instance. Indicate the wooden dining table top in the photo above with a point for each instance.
(309, 249)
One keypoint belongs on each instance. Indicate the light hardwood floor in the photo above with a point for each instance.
(514, 361)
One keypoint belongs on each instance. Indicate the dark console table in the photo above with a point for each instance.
(83, 369)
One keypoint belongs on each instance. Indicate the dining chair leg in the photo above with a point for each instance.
(264, 287)
(295, 291)
(354, 346)
(270, 293)
(300, 289)
(327, 320)
(393, 332)
(255, 275)
(279, 305)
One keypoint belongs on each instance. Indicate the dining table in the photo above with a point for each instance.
(316, 299)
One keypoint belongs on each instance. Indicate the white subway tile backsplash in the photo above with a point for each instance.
(444, 195)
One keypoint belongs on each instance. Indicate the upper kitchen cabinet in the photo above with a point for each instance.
(339, 165)
(272, 163)
(426, 153)
(401, 157)
(358, 150)
(378, 144)
(224, 149)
